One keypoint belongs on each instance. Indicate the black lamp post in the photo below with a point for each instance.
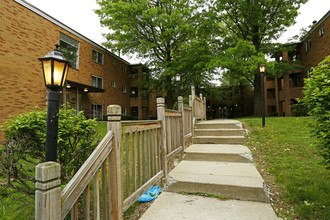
(262, 69)
(55, 70)
(177, 77)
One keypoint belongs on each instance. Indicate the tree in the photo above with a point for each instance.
(163, 32)
(259, 22)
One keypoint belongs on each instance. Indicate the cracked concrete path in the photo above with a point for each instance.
(214, 168)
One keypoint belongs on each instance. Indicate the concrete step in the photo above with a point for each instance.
(219, 132)
(219, 152)
(219, 124)
(234, 180)
(218, 140)
(169, 206)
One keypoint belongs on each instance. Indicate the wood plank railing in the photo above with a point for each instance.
(87, 176)
(174, 132)
(130, 159)
(142, 158)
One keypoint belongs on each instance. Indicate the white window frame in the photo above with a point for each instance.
(62, 38)
(97, 56)
(123, 68)
(308, 44)
(94, 107)
(113, 84)
(123, 110)
(123, 89)
(321, 31)
(97, 77)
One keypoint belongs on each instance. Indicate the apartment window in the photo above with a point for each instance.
(123, 68)
(308, 44)
(97, 82)
(150, 113)
(134, 92)
(114, 61)
(123, 111)
(296, 80)
(271, 93)
(97, 56)
(150, 97)
(321, 31)
(309, 73)
(70, 50)
(123, 89)
(113, 84)
(97, 111)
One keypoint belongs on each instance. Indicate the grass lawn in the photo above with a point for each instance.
(298, 181)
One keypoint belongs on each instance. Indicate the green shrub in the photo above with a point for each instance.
(24, 147)
(317, 99)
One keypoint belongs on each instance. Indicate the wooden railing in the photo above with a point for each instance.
(174, 132)
(187, 122)
(87, 176)
(131, 158)
(142, 167)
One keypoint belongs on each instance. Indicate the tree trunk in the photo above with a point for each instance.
(170, 97)
(257, 95)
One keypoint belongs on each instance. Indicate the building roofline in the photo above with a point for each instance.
(67, 28)
(316, 25)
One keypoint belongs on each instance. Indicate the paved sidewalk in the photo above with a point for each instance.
(217, 164)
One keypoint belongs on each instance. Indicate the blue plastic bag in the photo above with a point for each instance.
(151, 194)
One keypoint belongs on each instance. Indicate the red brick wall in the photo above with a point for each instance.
(320, 45)
(25, 36)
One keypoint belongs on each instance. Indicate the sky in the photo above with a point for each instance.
(79, 15)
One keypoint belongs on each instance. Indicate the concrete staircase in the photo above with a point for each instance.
(217, 164)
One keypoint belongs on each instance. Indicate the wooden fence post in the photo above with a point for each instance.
(204, 108)
(180, 108)
(116, 163)
(161, 117)
(193, 95)
(48, 193)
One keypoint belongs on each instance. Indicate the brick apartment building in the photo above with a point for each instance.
(281, 93)
(234, 102)
(96, 79)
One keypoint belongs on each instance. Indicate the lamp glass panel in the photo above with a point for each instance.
(47, 65)
(177, 77)
(58, 72)
(65, 74)
(262, 69)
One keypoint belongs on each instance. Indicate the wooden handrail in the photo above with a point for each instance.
(134, 127)
(81, 179)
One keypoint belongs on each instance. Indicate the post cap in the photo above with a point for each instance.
(47, 171)
(114, 112)
(160, 101)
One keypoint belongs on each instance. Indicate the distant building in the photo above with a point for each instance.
(232, 102)
(281, 92)
(97, 78)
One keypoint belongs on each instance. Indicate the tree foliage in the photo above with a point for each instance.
(317, 99)
(170, 35)
(24, 148)
(258, 22)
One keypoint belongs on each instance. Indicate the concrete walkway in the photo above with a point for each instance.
(219, 166)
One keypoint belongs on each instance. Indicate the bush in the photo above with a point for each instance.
(24, 147)
(317, 99)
